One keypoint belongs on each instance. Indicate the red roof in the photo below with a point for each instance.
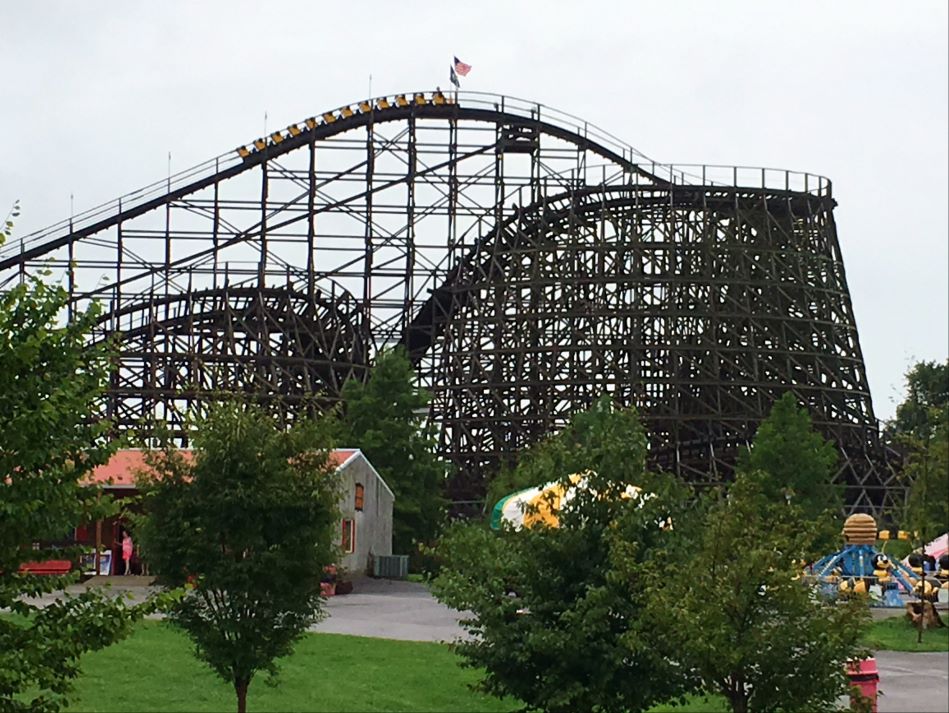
(125, 465)
(338, 456)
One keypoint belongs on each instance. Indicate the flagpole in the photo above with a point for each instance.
(458, 68)
(453, 78)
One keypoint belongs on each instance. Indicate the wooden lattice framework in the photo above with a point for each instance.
(527, 260)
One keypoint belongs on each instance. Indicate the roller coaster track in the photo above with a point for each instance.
(225, 166)
(547, 215)
(506, 110)
(526, 259)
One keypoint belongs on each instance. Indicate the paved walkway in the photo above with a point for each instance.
(913, 683)
(381, 608)
(390, 610)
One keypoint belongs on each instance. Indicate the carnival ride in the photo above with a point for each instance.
(527, 260)
(859, 566)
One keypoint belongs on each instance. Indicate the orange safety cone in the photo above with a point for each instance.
(864, 680)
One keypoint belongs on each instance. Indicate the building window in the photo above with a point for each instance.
(348, 539)
(360, 495)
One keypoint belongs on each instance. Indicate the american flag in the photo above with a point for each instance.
(462, 68)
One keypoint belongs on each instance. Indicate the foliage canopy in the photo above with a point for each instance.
(51, 436)
(737, 613)
(249, 520)
(795, 464)
(614, 610)
(551, 623)
(926, 406)
(922, 430)
(382, 418)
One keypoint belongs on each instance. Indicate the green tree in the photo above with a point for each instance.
(250, 521)
(51, 383)
(926, 406)
(6, 229)
(921, 428)
(926, 471)
(382, 418)
(735, 611)
(510, 480)
(794, 462)
(551, 623)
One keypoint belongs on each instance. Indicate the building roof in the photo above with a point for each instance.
(121, 470)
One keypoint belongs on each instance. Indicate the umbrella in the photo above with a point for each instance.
(938, 547)
(541, 503)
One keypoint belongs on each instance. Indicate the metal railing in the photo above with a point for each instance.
(677, 174)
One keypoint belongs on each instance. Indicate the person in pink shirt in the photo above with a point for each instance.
(127, 546)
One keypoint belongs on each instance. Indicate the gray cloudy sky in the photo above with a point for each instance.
(96, 93)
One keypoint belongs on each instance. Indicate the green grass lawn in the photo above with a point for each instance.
(696, 704)
(154, 670)
(897, 634)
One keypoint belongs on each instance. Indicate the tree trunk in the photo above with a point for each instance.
(737, 696)
(240, 687)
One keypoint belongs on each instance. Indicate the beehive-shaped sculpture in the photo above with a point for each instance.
(860, 529)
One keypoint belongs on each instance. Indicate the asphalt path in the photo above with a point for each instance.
(390, 609)
(381, 608)
(913, 682)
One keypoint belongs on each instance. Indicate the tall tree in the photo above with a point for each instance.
(796, 462)
(510, 480)
(921, 428)
(383, 418)
(926, 406)
(926, 472)
(51, 436)
(249, 520)
(551, 624)
(736, 612)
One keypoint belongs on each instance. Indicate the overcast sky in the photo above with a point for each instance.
(95, 95)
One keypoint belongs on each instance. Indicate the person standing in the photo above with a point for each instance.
(127, 546)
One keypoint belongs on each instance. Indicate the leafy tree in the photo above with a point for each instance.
(922, 429)
(551, 623)
(508, 480)
(926, 514)
(926, 406)
(6, 229)
(736, 612)
(382, 418)
(50, 438)
(249, 520)
(794, 462)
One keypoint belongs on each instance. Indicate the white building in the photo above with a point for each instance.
(365, 506)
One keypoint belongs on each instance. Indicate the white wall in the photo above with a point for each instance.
(373, 522)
